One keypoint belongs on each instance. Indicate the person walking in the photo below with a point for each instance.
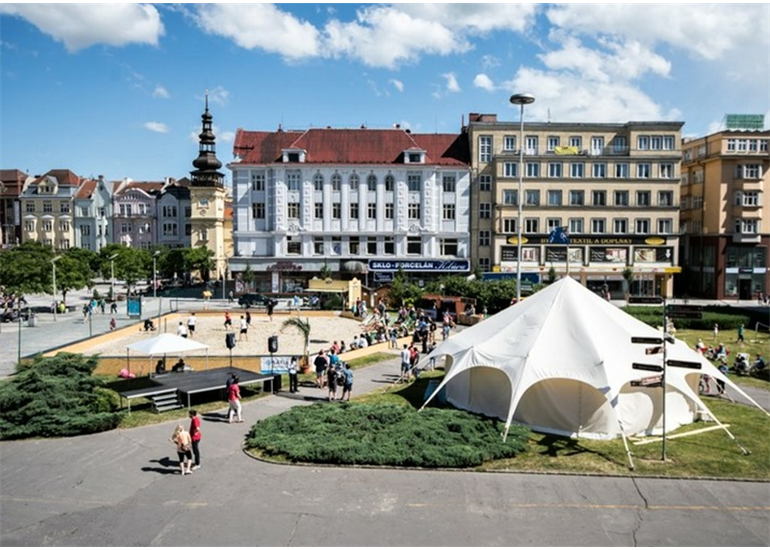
(406, 357)
(195, 436)
(191, 320)
(248, 317)
(183, 443)
(114, 308)
(740, 335)
(270, 308)
(228, 320)
(181, 330)
(234, 398)
(293, 376)
(347, 387)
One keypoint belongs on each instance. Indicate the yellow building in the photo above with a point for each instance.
(47, 209)
(725, 214)
(612, 188)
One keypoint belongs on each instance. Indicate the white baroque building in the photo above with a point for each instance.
(362, 200)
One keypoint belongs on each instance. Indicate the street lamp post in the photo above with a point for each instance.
(112, 276)
(154, 277)
(53, 263)
(521, 100)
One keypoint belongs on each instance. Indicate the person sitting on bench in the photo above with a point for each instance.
(148, 325)
(179, 366)
(160, 367)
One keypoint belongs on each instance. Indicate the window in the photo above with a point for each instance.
(747, 227)
(668, 143)
(531, 225)
(413, 211)
(30, 207)
(204, 234)
(576, 141)
(167, 211)
(533, 170)
(509, 225)
(47, 206)
(318, 246)
(745, 171)
(64, 207)
(30, 226)
(293, 181)
(354, 181)
(448, 247)
(47, 225)
(748, 198)
(336, 210)
(621, 170)
(414, 158)
(643, 170)
(509, 197)
(354, 211)
(485, 182)
(656, 143)
(552, 142)
(554, 169)
(598, 225)
(485, 237)
(64, 244)
(665, 226)
(389, 210)
(620, 145)
(449, 212)
(485, 210)
(599, 198)
(125, 227)
(643, 143)
(336, 182)
(597, 145)
(203, 203)
(576, 198)
(258, 182)
(509, 143)
(485, 148)
(292, 209)
(620, 225)
(388, 246)
(293, 246)
(449, 183)
(371, 211)
(485, 264)
(414, 245)
(413, 182)
(145, 229)
(85, 230)
(188, 212)
(531, 145)
(577, 169)
(390, 182)
(642, 226)
(666, 170)
(510, 169)
(621, 198)
(318, 210)
(553, 197)
(371, 246)
(599, 170)
(337, 246)
(354, 245)
(665, 198)
(169, 229)
(318, 182)
(643, 198)
(371, 182)
(552, 223)
(64, 227)
(575, 226)
(532, 197)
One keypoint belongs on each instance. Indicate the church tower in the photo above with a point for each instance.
(208, 200)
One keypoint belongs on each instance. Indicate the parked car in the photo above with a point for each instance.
(252, 300)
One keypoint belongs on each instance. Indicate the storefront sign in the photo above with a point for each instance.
(420, 265)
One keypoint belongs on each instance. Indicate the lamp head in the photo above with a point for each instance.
(522, 99)
(112, 257)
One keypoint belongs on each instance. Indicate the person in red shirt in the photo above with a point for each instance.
(195, 434)
(228, 320)
(234, 398)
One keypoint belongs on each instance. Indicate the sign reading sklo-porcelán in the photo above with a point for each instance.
(420, 265)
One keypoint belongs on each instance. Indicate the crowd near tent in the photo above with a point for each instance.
(561, 361)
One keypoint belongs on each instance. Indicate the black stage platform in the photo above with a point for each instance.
(191, 382)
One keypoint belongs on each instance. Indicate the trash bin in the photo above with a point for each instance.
(32, 321)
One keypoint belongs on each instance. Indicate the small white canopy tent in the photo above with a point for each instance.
(560, 362)
(165, 344)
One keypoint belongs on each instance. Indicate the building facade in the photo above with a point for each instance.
(47, 209)
(725, 215)
(612, 188)
(11, 186)
(134, 221)
(93, 214)
(174, 213)
(349, 201)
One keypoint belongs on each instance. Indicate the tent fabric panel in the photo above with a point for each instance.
(482, 390)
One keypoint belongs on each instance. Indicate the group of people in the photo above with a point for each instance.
(410, 360)
(188, 444)
(331, 373)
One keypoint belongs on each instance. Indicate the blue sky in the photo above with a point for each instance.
(117, 89)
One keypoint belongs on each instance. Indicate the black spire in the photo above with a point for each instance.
(207, 164)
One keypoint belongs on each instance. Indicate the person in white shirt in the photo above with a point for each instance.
(181, 330)
(244, 334)
(191, 324)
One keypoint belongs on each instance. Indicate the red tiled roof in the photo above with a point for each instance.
(146, 186)
(63, 176)
(13, 180)
(360, 146)
(86, 189)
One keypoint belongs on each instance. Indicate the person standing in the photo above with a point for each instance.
(331, 382)
(347, 387)
(293, 376)
(244, 332)
(195, 436)
(406, 357)
(320, 363)
(228, 320)
(716, 332)
(270, 308)
(183, 449)
(230, 297)
(740, 334)
(181, 330)
(114, 308)
(234, 398)
(248, 317)
(191, 324)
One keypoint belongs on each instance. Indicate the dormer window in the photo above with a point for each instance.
(414, 157)
(294, 155)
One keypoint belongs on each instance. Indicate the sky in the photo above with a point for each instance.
(118, 89)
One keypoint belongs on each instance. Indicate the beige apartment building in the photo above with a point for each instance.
(725, 214)
(613, 188)
(46, 204)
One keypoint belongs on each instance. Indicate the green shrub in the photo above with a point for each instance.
(56, 397)
(385, 434)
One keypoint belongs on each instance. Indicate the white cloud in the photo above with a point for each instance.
(474, 18)
(484, 82)
(218, 95)
(158, 127)
(452, 86)
(261, 26)
(161, 92)
(79, 26)
(397, 84)
(226, 137)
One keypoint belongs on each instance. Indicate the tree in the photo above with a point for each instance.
(73, 272)
(131, 264)
(248, 278)
(26, 269)
(199, 259)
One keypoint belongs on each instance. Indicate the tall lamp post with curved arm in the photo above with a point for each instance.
(521, 100)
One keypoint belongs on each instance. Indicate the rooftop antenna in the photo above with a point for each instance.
(549, 114)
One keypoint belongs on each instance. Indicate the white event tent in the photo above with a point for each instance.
(165, 344)
(560, 362)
